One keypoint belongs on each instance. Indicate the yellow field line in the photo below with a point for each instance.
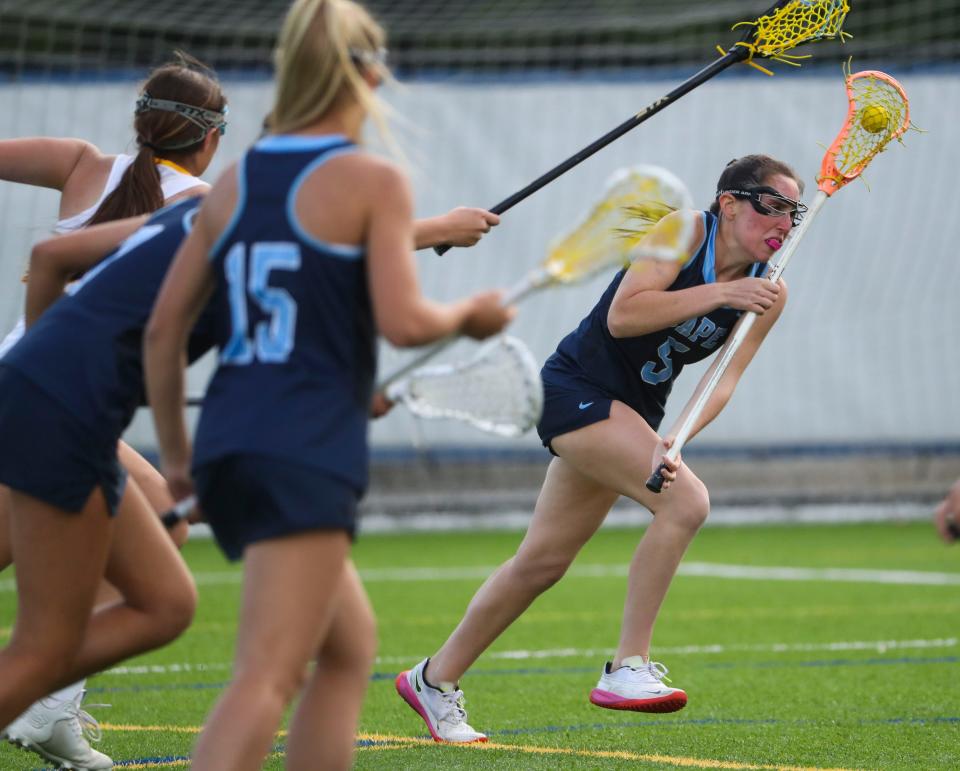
(403, 742)
(667, 760)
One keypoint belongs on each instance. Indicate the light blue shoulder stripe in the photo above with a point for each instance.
(710, 258)
(288, 143)
(695, 252)
(341, 251)
(238, 210)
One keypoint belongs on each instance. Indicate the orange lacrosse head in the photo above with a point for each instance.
(879, 112)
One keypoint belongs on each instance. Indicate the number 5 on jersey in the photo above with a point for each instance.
(272, 339)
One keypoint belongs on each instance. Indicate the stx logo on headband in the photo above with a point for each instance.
(207, 120)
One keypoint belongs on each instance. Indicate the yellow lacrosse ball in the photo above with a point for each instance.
(874, 119)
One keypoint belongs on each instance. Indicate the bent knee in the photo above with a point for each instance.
(690, 506)
(171, 611)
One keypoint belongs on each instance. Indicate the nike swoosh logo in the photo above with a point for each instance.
(416, 682)
(584, 405)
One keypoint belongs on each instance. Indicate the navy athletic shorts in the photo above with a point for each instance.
(250, 498)
(48, 454)
(570, 401)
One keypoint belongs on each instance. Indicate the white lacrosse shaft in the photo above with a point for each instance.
(655, 482)
(535, 280)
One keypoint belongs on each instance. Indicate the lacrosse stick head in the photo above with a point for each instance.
(635, 198)
(878, 113)
(670, 240)
(498, 390)
(791, 23)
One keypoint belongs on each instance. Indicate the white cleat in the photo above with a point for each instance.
(441, 708)
(637, 685)
(58, 731)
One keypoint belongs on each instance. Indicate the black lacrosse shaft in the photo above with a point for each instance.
(737, 54)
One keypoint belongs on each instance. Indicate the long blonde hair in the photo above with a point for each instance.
(322, 49)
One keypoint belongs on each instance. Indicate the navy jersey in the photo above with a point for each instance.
(294, 325)
(640, 371)
(86, 350)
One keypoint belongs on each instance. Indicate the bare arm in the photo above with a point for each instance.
(462, 226)
(642, 303)
(54, 261)
(42, 161)
(183, 295)
(404, 316)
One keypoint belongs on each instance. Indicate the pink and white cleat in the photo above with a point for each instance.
(441, 708)
(637, 685)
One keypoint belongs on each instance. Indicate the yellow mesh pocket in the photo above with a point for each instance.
(635, 200)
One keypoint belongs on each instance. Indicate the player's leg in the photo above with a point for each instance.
(617, 453)
(569, 509)
(158, 597)
(153, 486)
(55, 595)
(281, 629)
(323, 729)
(568, 512)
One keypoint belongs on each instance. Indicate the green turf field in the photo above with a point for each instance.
(806, 670)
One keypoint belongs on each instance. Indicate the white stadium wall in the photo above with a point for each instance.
(865, 352)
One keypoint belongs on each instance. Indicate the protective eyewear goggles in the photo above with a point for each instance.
(766, 200)
(370, 57)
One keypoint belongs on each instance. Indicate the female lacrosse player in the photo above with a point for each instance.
(75, 379)
(179, 117)
(304, 247)
(605, 389)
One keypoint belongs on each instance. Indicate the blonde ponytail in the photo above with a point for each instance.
(322, 50)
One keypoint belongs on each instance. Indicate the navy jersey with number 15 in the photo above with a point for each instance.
(294, 325)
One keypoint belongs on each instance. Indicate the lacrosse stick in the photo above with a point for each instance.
(497, 390)
(878, 113)
(601, 240)
(785, 25)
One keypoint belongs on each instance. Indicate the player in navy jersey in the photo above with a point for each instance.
(605, 389)
(304, 251)
(75, 380)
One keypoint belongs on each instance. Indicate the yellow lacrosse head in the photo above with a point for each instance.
(634, 200)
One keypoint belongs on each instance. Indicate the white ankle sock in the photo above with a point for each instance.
(70, 692)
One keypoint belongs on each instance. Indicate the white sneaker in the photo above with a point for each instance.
(441, 708)
(637, 685)
(58, 731)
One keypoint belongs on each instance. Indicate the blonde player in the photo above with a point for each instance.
(304, 250)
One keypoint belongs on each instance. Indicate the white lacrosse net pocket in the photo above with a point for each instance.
(498, 390)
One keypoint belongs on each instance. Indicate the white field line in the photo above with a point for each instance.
(875, 646)
(694, 569)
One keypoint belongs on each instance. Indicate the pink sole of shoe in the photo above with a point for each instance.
(669, 703)
(407, 694)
